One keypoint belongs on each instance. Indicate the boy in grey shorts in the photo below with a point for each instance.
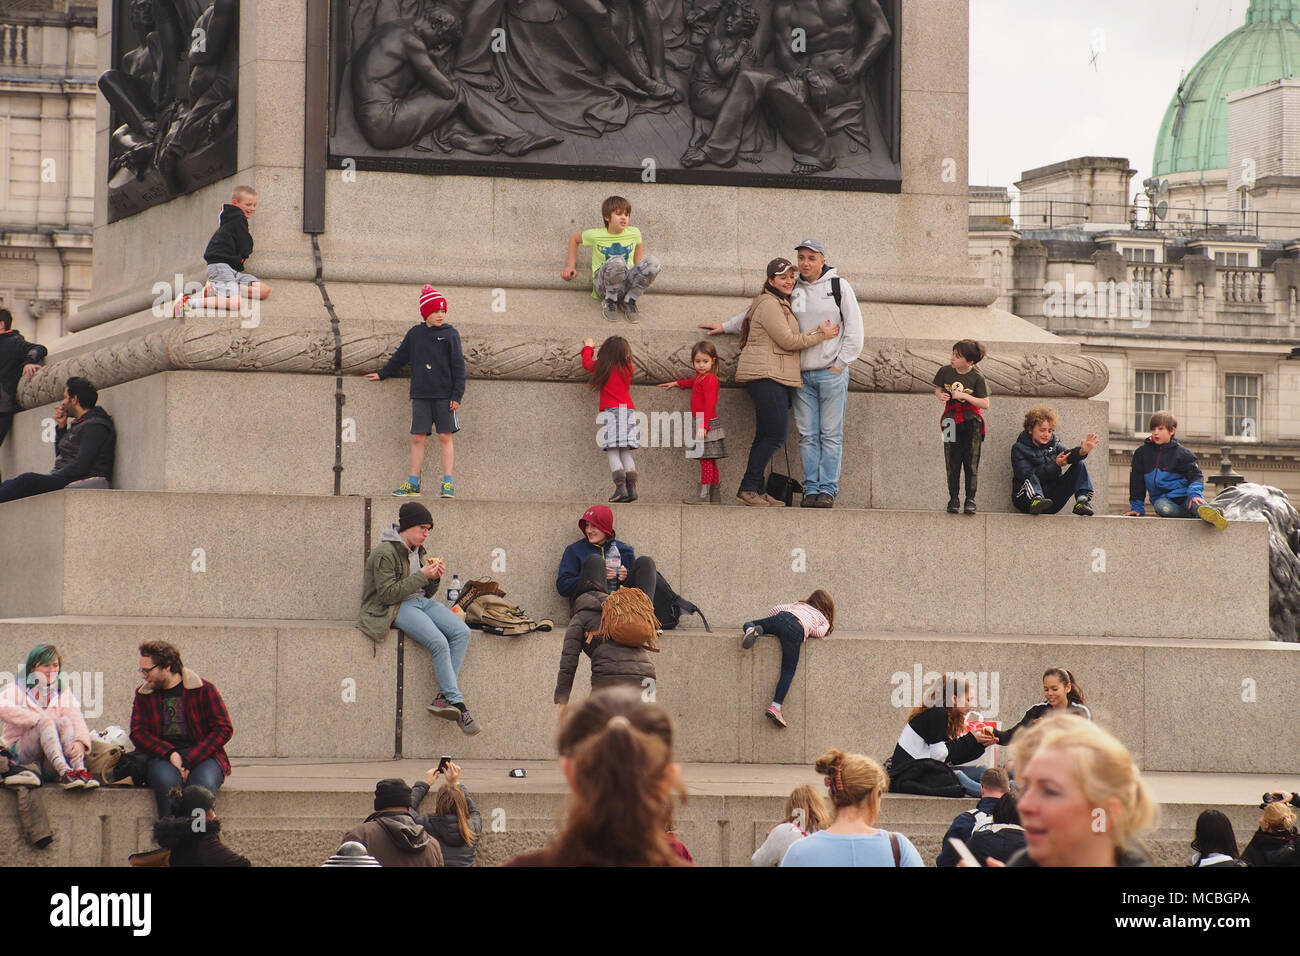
(228, 249)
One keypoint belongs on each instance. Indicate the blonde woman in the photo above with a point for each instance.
(805, 814)
(455, 822)
(856, 785)
(1083, 802)
(1275, 843)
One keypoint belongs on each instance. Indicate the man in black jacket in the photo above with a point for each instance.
(83, 447)
(18, 359)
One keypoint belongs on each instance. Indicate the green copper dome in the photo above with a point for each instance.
(1194, 134)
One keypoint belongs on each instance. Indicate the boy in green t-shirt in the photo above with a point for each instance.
(619, 273)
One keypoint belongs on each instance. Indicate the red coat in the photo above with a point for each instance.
(618, 390)
(704, 396)
(206, 719)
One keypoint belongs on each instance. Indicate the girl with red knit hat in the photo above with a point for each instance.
(437, 361)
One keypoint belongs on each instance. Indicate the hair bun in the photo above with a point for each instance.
(618, 720)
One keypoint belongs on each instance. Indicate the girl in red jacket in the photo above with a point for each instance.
(709, 444)
(611, 374)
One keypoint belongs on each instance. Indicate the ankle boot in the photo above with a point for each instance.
(715, 494)
(631, 486)
(701, 499)
(620, 486)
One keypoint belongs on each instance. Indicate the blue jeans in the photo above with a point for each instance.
(162, 776)
(969, 778)
(443, 633)
(1169, 508)
(819, 416)
(786, 628)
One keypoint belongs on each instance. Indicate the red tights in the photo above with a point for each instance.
(709, 472)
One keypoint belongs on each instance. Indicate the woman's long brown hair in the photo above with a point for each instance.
(956, 719)
(452, 800)
(621, 749)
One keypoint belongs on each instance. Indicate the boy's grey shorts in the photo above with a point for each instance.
(433, 414)
(226, 281)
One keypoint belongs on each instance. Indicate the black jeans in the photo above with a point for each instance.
(786, 628)
(30, 483)
(643, 575)
(771, 428)
(963, 453)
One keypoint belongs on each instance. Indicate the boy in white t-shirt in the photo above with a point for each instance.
(619, 272)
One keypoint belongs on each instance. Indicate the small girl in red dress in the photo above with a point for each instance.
(709, 439)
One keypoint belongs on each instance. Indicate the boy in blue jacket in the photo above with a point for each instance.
(437, 363)
(1168, 472)
(1040, 481)
(585, 558)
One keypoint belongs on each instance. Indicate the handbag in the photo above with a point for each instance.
(783, 487)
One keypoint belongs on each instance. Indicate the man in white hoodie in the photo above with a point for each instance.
(819, 404)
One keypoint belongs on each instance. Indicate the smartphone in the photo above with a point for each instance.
(963, 851)
(442, 763)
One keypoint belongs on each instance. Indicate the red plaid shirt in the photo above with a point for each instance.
(205, 717)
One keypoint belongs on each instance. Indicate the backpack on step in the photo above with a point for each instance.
(627, 617)
(487, 609)
(670, 606)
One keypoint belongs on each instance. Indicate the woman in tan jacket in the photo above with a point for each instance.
(770, 342)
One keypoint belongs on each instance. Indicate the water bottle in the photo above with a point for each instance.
(613, 561)
(453, 589)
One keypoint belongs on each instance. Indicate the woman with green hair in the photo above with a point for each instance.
(41, 717)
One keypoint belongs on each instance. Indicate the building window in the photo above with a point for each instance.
(1232, 259)
(1241, 406)
(1139, 255)
(1150, 395)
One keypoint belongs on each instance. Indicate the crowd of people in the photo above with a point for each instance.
(798, 339)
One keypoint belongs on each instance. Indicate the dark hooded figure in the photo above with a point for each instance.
(193, 832)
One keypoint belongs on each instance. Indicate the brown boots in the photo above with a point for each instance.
(624, 486)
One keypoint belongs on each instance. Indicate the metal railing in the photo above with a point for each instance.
(1024, 214)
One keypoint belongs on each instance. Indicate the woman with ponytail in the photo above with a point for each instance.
(616, 753)
(1061, 695)
(856, 785)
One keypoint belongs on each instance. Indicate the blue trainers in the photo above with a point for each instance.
(407, 490)
(448, 489)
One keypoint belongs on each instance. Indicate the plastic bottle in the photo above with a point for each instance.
(453, 589)
(613, 561)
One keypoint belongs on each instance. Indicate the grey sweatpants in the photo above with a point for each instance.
(614, 280)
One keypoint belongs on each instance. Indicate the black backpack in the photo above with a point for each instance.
(670, 606)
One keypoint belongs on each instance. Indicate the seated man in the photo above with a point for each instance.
(586, 558)
(398, 590)
(1040, 480)
(180, 722)
(1168, 472)
(18, 359)
(83, 448)
(993, 784)
(390, 834)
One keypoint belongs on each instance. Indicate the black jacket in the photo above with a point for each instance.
(85, 448)
(611, 662)
(436, 359)
(1032, 716)
(1001, 841)
(1039, 461)
(15, 352)
(232, 243)
(445, 827)
(195, 849)
(1273, 849)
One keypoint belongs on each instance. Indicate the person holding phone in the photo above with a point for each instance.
(399, 585)
(455, 822)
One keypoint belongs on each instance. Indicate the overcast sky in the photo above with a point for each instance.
(1036, 99)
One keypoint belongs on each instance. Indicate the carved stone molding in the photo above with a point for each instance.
(527, 354)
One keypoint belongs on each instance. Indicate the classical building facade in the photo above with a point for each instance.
(47, 149)
(1193, 306)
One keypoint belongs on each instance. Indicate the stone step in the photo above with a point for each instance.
(294, 813)
(215, 556)
(265, 433)
(320, 689)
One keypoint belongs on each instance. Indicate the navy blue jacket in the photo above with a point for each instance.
(961, 828)
(1029, 459)
(1163, 471)
(15, 352)
(232, 243)
(436, 360)
(566, 582)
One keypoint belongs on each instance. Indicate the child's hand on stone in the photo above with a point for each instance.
(667, 384)
(1131, 514)
(372, 376)
(568, 273)
(589, 343)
